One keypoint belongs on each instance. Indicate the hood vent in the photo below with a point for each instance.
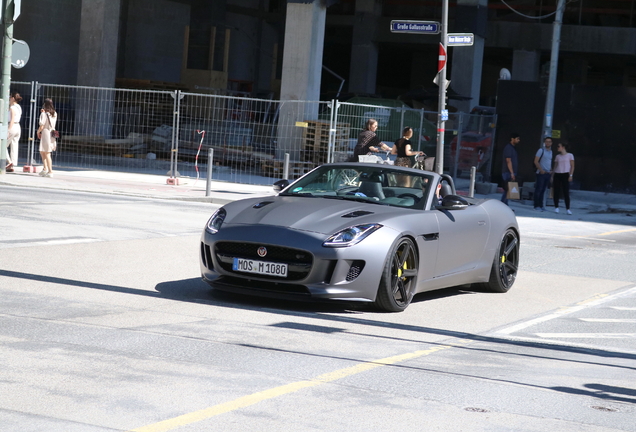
(262, 204)
(357, 213)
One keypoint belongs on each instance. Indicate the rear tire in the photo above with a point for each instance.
(399, 277)
(505, 265)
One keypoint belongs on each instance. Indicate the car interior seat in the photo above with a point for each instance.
(371, 186)
(445, 190)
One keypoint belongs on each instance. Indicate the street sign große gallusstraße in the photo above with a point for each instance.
(419, 27)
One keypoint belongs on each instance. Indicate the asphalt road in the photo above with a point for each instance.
(106, 326)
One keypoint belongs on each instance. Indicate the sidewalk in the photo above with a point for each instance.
(139, 185)
(581, 202)
(221, 192)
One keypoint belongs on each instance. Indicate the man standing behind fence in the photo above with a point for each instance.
(543, 164)
(368, 141)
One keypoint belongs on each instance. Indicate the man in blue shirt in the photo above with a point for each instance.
(510, 164)
(543, 165)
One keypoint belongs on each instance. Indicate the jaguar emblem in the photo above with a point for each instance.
(262, 251)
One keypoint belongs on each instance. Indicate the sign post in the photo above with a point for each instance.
(441, 82)
(6, 23)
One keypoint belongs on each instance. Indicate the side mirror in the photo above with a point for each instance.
(453, 202)
(280, 185)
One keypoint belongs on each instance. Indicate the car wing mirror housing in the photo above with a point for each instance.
(280, 185)
(453, 202)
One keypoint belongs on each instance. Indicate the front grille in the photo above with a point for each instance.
(274, 253)
(299, 262)
(261, 286)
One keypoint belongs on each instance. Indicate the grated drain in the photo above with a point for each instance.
(603, 408)
(474, 409)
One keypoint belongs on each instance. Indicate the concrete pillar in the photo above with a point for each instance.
(364, 51)
(302, 69)
(526, 65)
(302, 58)
(466, 73)
(99, 33)
(97, 67)
(467, 61)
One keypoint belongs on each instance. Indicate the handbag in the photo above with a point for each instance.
(54, 134)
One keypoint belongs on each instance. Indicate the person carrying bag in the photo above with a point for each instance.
(46, 134)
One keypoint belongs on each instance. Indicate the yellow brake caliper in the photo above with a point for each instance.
(405, 267)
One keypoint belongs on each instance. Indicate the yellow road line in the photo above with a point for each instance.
(618, 232)
(254, 398)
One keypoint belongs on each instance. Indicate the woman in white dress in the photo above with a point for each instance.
(13, 136)
(48, 119)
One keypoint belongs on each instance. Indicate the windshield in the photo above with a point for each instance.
(380, 185)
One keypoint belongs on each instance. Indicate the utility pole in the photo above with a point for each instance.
(441, 82)
(554, 61)
(7, 40)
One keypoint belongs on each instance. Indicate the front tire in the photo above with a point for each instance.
(399, 277)
(505, 265)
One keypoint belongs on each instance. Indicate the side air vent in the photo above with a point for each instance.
(206, 256)
(355, 270)
(262, 204)
(357, 214)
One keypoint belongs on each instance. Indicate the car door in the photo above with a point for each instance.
(427, 245)
(463, 235)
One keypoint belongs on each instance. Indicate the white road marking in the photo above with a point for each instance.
(587, 335)
(623, 308)
(595, 301)
(66, 241)
(539, 234)
(608, 320)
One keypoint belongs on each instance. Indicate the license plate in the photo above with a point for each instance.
(259, 267)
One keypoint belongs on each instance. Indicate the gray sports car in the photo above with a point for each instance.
(360, 232)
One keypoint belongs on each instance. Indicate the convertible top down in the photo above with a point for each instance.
(360, 232)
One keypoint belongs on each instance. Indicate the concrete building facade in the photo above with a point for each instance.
(93, 42)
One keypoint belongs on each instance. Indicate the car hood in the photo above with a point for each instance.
(315, 214)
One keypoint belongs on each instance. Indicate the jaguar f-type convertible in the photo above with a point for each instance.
(360, 232)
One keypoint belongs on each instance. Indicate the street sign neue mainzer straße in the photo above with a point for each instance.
(419, 27)
(461, 39)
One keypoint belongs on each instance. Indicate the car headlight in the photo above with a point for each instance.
(214, 224)
(350, 236)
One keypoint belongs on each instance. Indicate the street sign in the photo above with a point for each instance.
(20, 54)
(444, 115)
(16, 10)
(461, 39)
(441, 63)
(419, 27)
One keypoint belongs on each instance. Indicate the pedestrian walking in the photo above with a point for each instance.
(543, 166)
(368, 141)
(510, 164)
(562, 174)
(14, 131)
(403, 149)
(48, 144)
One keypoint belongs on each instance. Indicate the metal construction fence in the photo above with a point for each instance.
(171, 132)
